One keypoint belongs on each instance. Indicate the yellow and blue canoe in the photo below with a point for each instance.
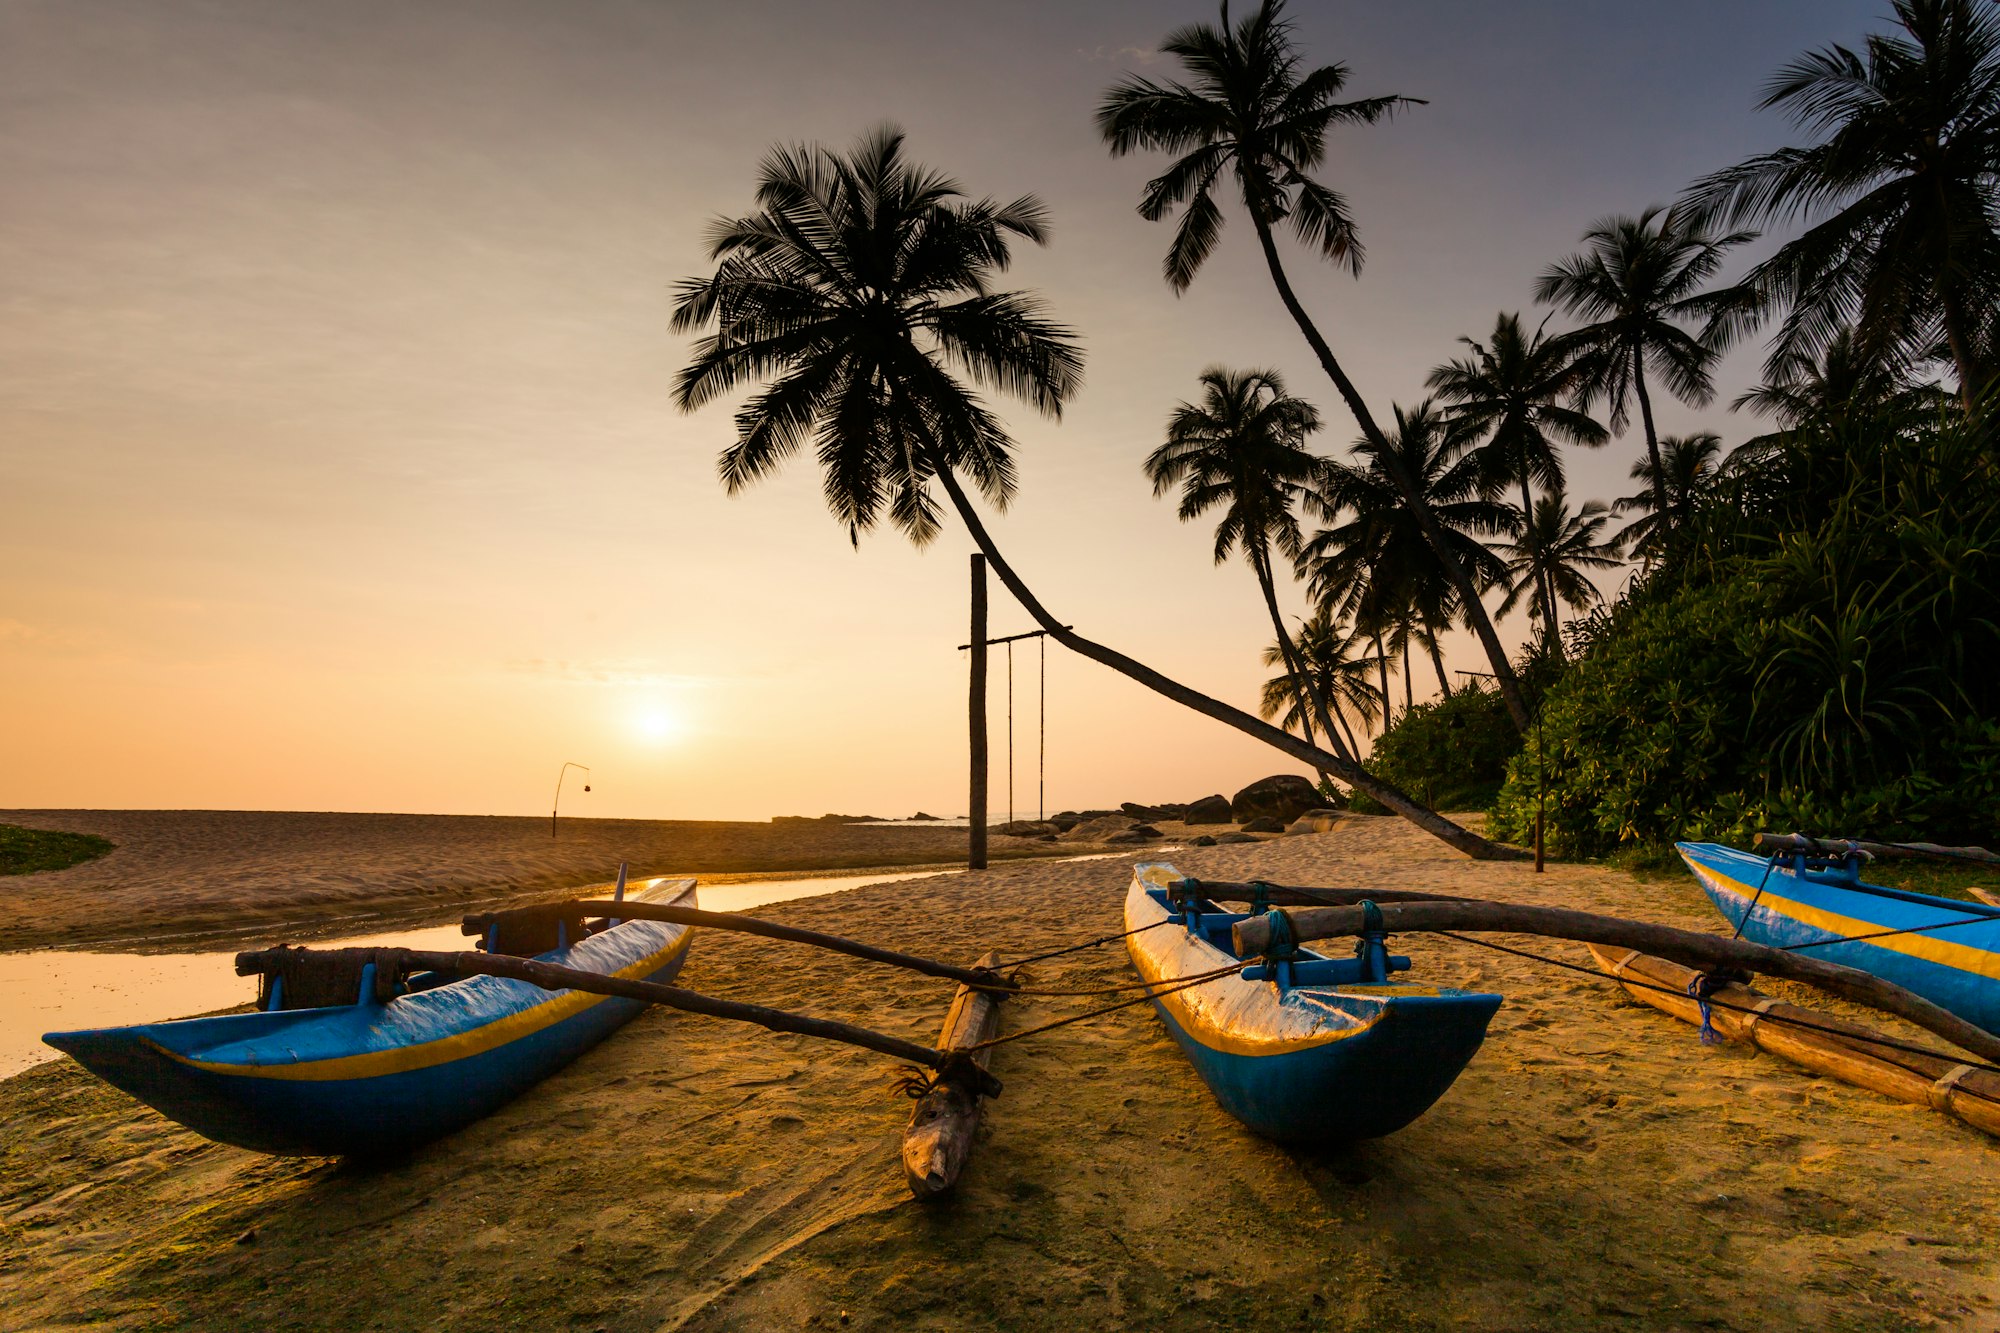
(380, 1076)
(1310, 1050)
(1943, 950)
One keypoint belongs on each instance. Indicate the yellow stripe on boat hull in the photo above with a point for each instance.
(1930, 948)
(458, 1046)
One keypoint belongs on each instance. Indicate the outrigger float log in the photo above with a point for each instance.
(1817, 1041)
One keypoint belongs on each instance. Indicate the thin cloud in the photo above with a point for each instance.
(1120, 55)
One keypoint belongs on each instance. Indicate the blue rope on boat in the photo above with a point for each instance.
(1709, 1036)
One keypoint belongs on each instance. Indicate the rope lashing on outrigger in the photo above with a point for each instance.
(1703, 987)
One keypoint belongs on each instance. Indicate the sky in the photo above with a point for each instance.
(339, 470)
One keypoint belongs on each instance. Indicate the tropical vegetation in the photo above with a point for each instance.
(1786, 630)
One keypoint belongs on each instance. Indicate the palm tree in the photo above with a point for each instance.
(1373, 564)
(1338, 671)
(1902, 244)
(1550, 550)
(1841, 385)
(857, 293)
(1639, 280)
(1690, 466)
(1249, 108)
(1512, 392)
(1242, 449)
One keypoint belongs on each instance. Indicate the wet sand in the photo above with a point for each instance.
(181, 878)
(1595, 1167)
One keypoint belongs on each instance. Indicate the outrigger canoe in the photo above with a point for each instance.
(382, 1073)
(1307, 1049)
(1942, 949)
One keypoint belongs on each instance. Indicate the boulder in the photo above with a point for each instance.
(1063, 823)
(1208, 810)
(1222, 838)
(1099, 829)
(1024, 828)
(1137, 833)
(1318, 821)
(1205, 840)
(920, 815)
(1283, 797)
(1264, 824)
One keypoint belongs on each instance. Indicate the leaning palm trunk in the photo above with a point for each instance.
(1346, 770)
(1454, 569)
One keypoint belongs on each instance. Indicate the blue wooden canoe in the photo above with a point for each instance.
(378, 1077)
(1327, 1051)
(1807, 899)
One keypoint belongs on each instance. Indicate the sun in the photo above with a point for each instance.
(654, 725)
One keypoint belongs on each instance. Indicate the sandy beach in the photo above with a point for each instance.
(182, 877)
(1595, 1166)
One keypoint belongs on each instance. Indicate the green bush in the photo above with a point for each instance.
(1450, 754)
(1823, 668)
(25, 851)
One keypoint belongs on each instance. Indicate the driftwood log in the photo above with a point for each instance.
(578, 909)
(551, 977)
(939, 1138)
(1850, 1052)
(1687, 947)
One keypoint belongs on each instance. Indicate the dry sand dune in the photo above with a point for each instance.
(1595, 1167)
(177, 875)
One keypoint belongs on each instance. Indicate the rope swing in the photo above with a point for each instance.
(1041, 720)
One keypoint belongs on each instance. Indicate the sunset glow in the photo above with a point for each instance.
(340, 466)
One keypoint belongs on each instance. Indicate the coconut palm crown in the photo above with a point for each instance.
(1246, 109)
(1903, 244)
(1547, 560)
(1693, 464)
(1241, 450)
(861, 290)
(1372, 562)
(1640, 282)
(1512, 391)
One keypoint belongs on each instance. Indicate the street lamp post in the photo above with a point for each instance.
(556, 805)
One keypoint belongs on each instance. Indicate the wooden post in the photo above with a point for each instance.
(939, 1137)
(976, 717)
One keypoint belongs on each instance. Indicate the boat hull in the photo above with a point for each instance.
(377, 1079)
(1957, 968)
(1304, 1065)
